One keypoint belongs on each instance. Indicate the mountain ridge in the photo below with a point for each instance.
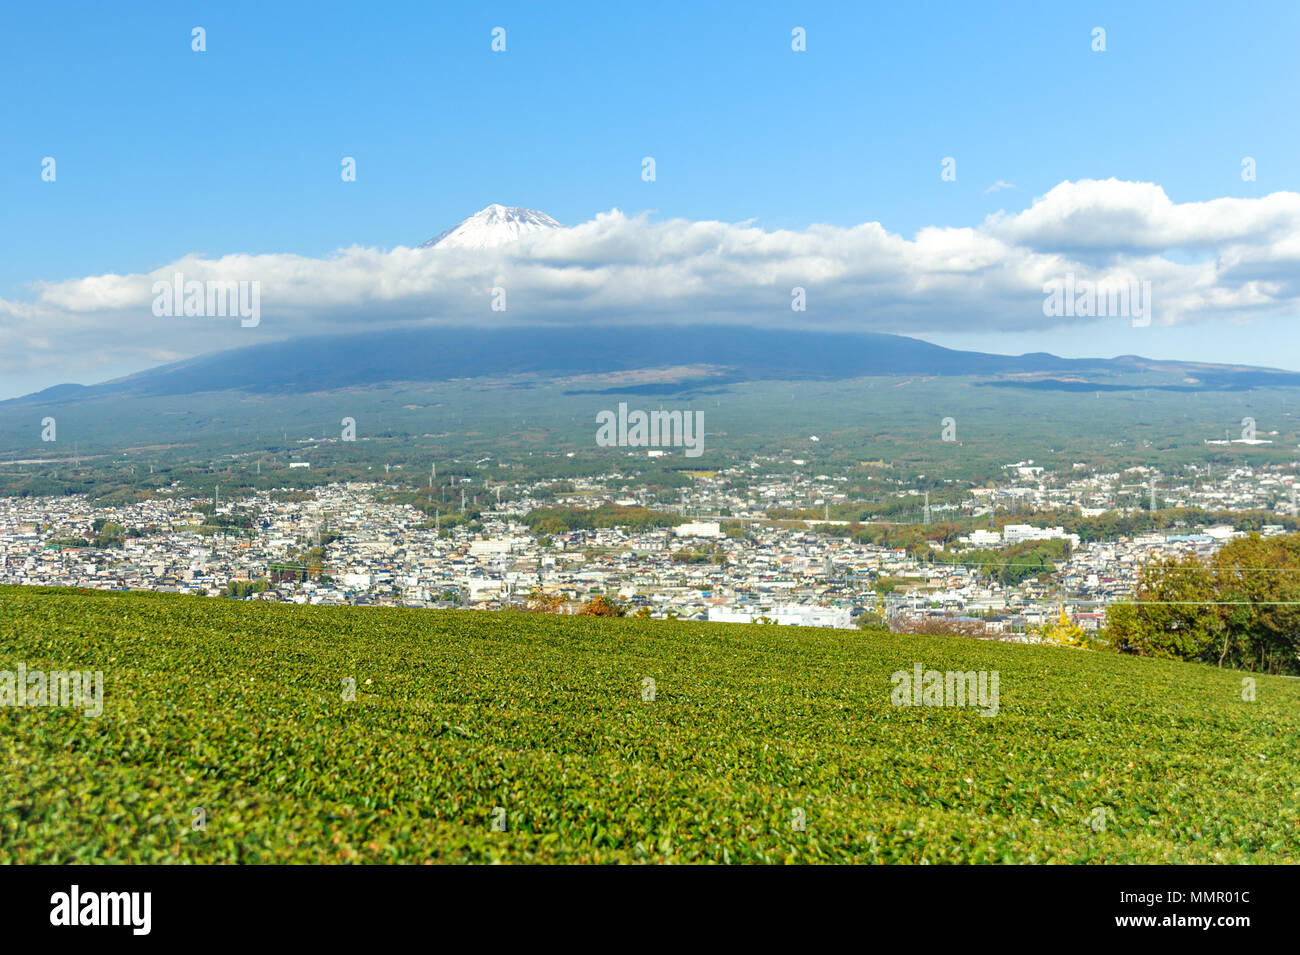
(729, 353)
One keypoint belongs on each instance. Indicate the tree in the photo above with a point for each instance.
(1065, 631)
(539, 601)
(1173, 617)
(108, 534)
(601, 607)
(1241, 608)
(245, 588)
(1259, 584)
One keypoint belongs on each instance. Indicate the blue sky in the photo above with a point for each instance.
(163, 152)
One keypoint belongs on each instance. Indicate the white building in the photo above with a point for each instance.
(1018, 533)
(700, 529)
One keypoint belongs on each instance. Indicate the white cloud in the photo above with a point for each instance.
(1113, 216)
(1226, 259)
(998, 187)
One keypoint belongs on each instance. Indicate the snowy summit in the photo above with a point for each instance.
(493, 226)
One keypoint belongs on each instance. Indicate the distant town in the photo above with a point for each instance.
(730, 556)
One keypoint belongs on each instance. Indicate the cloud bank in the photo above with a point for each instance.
(1227, 260)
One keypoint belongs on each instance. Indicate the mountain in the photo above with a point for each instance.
(496, 225)
(644, 359)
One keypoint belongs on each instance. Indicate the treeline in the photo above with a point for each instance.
(559, 520)
(919, 540)
(106, 534)
(1011, 565)
(700, 555)
(1112, 524)
(909, 537)
(1239, 608)
(245, 588)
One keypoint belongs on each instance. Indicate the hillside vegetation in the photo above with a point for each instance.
(238, 708)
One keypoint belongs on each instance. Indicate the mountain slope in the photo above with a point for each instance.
(718, 354)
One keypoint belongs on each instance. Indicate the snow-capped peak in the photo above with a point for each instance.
(493, 226)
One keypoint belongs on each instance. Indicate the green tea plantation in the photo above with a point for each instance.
(246, 732)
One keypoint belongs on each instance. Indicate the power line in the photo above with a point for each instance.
(1209, 603)
(978, 564)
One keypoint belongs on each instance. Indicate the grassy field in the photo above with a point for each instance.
(238, 709)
